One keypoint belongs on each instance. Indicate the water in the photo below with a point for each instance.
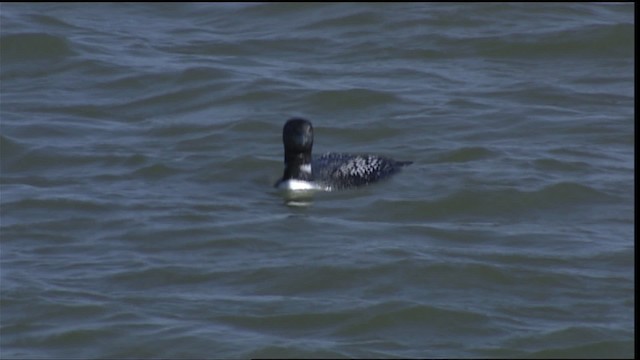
(139, 146)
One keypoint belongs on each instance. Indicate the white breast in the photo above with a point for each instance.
(298, 185)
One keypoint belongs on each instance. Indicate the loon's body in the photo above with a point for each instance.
(330, 171)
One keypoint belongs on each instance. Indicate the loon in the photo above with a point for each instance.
(330, 171)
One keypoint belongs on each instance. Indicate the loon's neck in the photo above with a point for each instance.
(297, 166)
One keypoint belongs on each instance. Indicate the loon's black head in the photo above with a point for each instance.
(297, 136)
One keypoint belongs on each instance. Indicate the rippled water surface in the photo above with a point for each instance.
(139, 145)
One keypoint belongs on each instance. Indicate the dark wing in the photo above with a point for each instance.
(341, 171)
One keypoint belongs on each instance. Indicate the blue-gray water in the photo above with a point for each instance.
(140, 143)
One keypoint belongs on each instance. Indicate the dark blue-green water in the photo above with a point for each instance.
(139, 145)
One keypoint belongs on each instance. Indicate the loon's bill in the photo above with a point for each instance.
(331, 171)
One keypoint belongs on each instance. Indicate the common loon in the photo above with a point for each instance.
(330, 171)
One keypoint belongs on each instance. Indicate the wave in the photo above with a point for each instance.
(17, 48)
(508, 202)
